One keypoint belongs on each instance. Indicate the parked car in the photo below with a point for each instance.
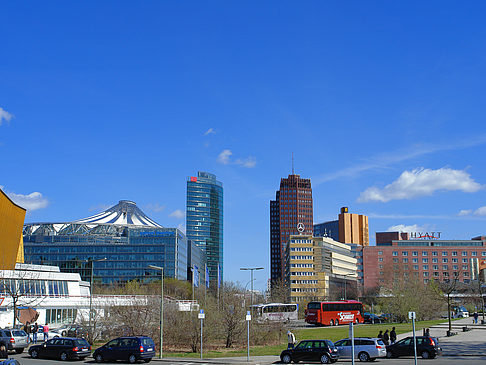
(77, 330)
(365, 348)
(14, 339)
(62, 348)
(427, 347)
(50, 334)
(129, 349)
(371, 318)
(311, 350)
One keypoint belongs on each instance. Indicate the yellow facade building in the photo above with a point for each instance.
(11, 243)
(317, 264)
(353, 228)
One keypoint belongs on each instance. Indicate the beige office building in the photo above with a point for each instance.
(353, 228)
(320, 268)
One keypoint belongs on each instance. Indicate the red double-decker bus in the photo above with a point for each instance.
(334, 313)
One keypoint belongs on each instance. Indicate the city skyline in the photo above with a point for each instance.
(381, 104)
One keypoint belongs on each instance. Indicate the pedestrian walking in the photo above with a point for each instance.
(34, 332)
(393, 336)
(380, 335)
(28, 331)
(290, 340)
(475, 316)
(46, 332)
(386, 338)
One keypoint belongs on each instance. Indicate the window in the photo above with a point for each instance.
(455, 267)
(483, 253)
(395, 253)
(381, 266)
(444, 261)
(445, 267)
(380, 259)
(435, 260)
(465, 267)
(395, 260)
(404, 253)
(425, 267)
(436, 274)
(454, 253)
(380, 252)
(415, 267)
(445, 274)
(424, 261)
(424, 253)
(405, 260)
(464, 253)
(434, 253)
(464, 261)
(414, 260)
(435, 267)
(444, 253)
(415, 253)
(455, 260)
(426, 274)
(474, 253)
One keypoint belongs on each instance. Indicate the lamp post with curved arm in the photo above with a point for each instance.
(251, 269)
(91, 261)
(161, 269)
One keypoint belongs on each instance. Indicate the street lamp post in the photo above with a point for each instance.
(345, 283)
(91, 294)
(251, 269)
(161, 269)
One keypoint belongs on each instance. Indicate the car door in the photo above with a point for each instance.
(344, 348)
(109, 352)
(404, 347)
(47, 348)
(298, 353)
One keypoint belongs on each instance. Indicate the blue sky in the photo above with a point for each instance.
(381, 102)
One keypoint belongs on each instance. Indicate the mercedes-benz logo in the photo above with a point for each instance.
(300, 227)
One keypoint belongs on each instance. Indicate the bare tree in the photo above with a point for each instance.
(280, 292)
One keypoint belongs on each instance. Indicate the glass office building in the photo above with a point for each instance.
(124, 235)
(204, 219)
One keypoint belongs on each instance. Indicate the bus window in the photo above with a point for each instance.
(314, 305)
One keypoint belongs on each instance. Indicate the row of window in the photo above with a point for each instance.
(301, 249)
(53, 288)
(435, 253)
(303, 257)
(434, 261)
(302, 273)
(304, 281)
(302, 265)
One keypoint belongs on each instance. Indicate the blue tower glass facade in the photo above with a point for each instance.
(204, 219)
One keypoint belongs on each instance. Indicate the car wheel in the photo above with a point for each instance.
(64, 333)
(389, 355)
(363, 356)
(425, 355)
(337, 322)
(63, 356)
(286, 359)
(98, 358)
(325, 359)
(132, 359)
(34, 354)
(331, 323)
(146, 360)
(19, 351)
(357, 321)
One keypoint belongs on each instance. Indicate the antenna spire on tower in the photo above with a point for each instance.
(292, 163)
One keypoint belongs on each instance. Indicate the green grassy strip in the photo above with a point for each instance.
(331, 333)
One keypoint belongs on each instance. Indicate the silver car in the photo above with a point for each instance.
(365, 348)
(14, 339)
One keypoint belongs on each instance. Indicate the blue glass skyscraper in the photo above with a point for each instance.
(204, 219)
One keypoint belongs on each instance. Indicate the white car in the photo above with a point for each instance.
(365, 348)
(461, 314)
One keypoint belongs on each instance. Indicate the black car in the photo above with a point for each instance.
(311, 350)
(371, 318)
(62, 348)
(128, 349)
(427, 347)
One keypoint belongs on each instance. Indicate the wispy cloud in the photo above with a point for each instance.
(464, 212)
(225, 158)
(155, 207)
(409, 228)
(99, 207)
(179, 214)
(5, 116)
(421, 182)
(210, 131)
(32, 201)
(385, 160)
(480, 211)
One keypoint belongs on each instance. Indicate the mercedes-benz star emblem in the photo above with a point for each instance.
(300, 227)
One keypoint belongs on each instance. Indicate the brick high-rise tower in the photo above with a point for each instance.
(290, 214)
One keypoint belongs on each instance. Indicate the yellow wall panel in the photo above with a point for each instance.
(11, 222)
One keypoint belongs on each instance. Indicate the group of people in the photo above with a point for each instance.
(388, 338)
(33, 330)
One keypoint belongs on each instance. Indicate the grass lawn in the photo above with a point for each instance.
(331, 333)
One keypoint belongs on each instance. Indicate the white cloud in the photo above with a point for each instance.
(99, 207)
(404, 228)
(248, 162)
(179, 214)
(32, 201)
(480, 211)
(156, 207)
(5, 115)
(464, 212)
(387, 159)
(210, 131)
(421, 182)
(224, 157)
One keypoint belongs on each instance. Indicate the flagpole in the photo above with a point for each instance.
(205, 282)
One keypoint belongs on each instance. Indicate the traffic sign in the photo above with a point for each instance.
(411, 315)
(201, 314)
(248, 316)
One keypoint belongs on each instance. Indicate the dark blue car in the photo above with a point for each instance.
(131, 349)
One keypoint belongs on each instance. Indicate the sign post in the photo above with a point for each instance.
(412, 315)
(248, 319)
(351, 336)
(201, 316)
